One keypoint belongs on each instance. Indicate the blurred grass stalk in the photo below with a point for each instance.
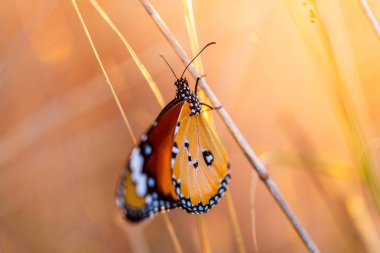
(254, 179)
(335, 204)
(231, 126)
(342, 104)
(371, 17)
(333, 169)
(346, 103)
(152, 84)
(194, 45)
(168, 224)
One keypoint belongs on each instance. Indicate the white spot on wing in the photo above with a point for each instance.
(147, 149)
(148, 199)
(209, 158)
(136, 163)
(141, 185)
(151, 182)
(176, 130)
(175, 150)
(173, 162)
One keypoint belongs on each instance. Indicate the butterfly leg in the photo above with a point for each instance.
(210, 107)
(197, 83)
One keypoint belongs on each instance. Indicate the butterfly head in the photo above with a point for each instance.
(181, 83)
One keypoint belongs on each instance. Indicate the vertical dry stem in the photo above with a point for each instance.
(235, 223)
(193, 37)
(140, 65)
(172, 233)
(104, 73)
(371, 17)
(167, 221)
(242, 142)
(205, 246)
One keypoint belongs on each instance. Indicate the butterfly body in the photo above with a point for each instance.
(179, 162)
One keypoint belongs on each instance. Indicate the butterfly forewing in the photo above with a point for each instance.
(200, 163)
(180, 161)
(146, 186)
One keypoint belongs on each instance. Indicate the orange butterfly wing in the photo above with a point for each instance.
(200, 166)
(146, 185)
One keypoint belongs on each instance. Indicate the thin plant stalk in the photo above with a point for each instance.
(167, 221)
(108, 81)
(343, 107)
(253, 214)
(159, 97)
(192, 33)
(375, 24)
(205, 246)
(172, 233)
(194, 44)
(235, 223)
(348, 232)
(152, 84)
(242, 142)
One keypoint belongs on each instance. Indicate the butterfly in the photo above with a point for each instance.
(179, 161)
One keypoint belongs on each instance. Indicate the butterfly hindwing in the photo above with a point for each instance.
(180, 161)
(200, 163)
(146, 187)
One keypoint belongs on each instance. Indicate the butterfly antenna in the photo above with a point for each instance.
(209, 44)
(167, 63)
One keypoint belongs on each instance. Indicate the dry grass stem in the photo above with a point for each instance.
(192, 33)
(105, 73)
(297, 136)
(167, 221)
(159, 97)
(343, 103)
(172, 233)
(235, 223)
(205, 246)
(194, 44)
(371, 16)
(361, 217)
(140, 65)
(242, 142)
(253, 210)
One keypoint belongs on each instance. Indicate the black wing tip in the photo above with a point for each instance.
(134, 215)
(137, 217)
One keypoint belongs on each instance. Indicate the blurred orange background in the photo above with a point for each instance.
(299, 78)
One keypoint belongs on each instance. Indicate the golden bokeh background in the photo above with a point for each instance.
(299, 78)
